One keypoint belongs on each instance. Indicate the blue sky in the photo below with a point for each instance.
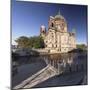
(27, 17)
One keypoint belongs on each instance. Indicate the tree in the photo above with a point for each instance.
(37, 42)
(81, 46)
(32, 42)
(23, 42)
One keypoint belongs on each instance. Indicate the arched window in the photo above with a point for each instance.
(52, 25)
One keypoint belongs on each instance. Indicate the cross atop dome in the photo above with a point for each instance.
(59, 12)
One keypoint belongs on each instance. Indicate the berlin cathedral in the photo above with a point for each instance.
(57, 39)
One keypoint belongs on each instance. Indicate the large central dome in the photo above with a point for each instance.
(59, 16)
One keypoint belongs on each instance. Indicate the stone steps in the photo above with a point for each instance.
(37, 78)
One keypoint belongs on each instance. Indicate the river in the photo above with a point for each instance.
(29, 65)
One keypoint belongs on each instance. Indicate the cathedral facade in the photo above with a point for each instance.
(57, 39)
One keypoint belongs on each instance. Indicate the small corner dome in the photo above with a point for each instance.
(42, 26)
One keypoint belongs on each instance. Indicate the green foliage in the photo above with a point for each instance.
(81, 46)
(23, 42)
(32, 42)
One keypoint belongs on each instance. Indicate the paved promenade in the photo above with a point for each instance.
(44, 74)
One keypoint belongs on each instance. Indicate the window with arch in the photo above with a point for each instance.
(52, 25)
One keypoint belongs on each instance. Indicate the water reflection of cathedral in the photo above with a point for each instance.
(66, 62)
(57, 38)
